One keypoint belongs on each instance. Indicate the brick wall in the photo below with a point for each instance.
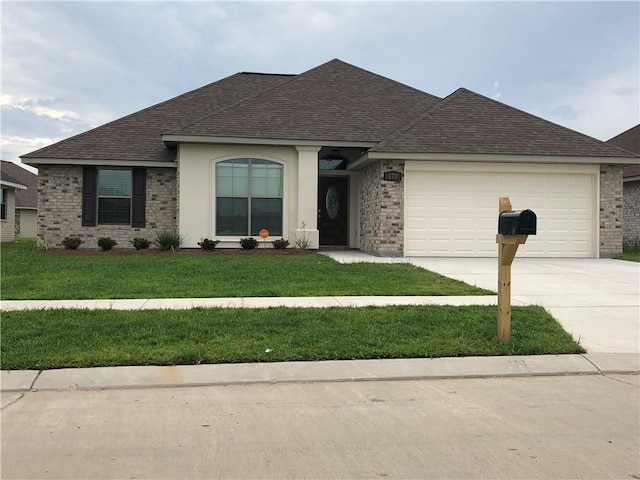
(631, 213)
(610, 210)
(60, 208)
(382, 210)
(8, 225)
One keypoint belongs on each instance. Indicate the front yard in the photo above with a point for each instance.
(28, 274)
(57, 338)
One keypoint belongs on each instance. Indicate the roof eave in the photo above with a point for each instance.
(17, 186)
(34, 162)
(370, 157)
(172, 139)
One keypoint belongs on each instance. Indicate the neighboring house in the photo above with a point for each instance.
(26, 200)
(339, 156)
(8, 188)
(630, 140)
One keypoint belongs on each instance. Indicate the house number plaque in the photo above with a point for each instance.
(392, 176)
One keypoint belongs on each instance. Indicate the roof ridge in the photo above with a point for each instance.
(416, 120)
(34, 153)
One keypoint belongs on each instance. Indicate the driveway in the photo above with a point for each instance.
(596, 300)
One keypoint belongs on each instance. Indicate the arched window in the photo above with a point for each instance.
(248, 197)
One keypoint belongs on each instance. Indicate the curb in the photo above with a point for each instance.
(132, 377)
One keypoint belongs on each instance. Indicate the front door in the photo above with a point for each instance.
(332, 210)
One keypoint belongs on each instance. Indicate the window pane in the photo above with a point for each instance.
(232, 177)
(114, 211)
(232, 216)
(114, 183)
(266, 213)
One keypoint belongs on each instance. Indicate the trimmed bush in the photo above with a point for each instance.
(280, 244)
(106, 243)
(248, 243)
(169, 241)
(71, 243)
(140, 243)
(207, 244)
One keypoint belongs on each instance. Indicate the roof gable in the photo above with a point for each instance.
(466, 122)
(24, 198)
(629, 140)
(333, 102)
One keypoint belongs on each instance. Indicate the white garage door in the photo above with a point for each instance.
(451, 209)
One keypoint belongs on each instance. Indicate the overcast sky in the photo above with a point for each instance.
(71, 66)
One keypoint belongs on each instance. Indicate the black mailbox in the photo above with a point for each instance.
(517, 222)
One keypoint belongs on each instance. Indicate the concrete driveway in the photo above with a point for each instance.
(596, 300)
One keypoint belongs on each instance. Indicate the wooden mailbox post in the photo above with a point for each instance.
(508, 244)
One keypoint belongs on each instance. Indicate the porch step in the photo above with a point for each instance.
(334, 248)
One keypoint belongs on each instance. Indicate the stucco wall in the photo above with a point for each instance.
(631, 213)
(382, 210)
(197, 189)
(60, 208)
(8, 225)
(610, 210)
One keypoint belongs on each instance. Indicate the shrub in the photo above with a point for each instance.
(169, 241)
(248, 243)
(280, 244)
(72, 243)
(106, 243)
(207, 244)
(140, 243)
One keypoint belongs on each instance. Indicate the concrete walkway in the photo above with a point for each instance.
(597, 301)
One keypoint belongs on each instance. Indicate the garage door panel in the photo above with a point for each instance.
(453, 213)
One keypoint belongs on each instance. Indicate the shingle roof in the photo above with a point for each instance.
(24, 198)
(335, 101)
(331, 103)
(138, 136)
(466, 122)
(629, 140)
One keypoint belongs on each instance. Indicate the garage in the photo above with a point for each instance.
(451, 208)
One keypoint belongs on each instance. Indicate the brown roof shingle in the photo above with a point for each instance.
(333, 102)
(466, 122)
(629, 140)
(139, 136)
(24, 198)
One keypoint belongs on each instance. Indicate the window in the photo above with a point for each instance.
(113, 196)
(3, 203)
(248, 197)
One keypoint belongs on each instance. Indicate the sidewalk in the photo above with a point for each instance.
(597, 301)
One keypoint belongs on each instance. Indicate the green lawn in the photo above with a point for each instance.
(31, 274)
(48, 339)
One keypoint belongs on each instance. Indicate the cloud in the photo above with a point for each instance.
(601, 107)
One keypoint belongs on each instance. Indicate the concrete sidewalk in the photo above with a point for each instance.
(325, 371)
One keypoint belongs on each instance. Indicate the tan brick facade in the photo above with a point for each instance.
(60, 208)
(382, 210)
(631, 213)
(610, 210)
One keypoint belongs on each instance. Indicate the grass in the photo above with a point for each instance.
(31, 274)
(631, 252)
(61, 338)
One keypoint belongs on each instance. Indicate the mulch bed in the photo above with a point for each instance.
(181, 251)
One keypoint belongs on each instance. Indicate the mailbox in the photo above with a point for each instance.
(517, 222)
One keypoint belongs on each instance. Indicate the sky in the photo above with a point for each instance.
(67, 67)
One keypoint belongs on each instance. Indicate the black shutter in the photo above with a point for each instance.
(138, 197)
(89, 196)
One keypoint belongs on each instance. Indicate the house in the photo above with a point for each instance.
(8, 188)
(630, 140)
(26, 199)
(338, 156)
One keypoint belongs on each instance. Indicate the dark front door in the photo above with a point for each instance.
(332, 210)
